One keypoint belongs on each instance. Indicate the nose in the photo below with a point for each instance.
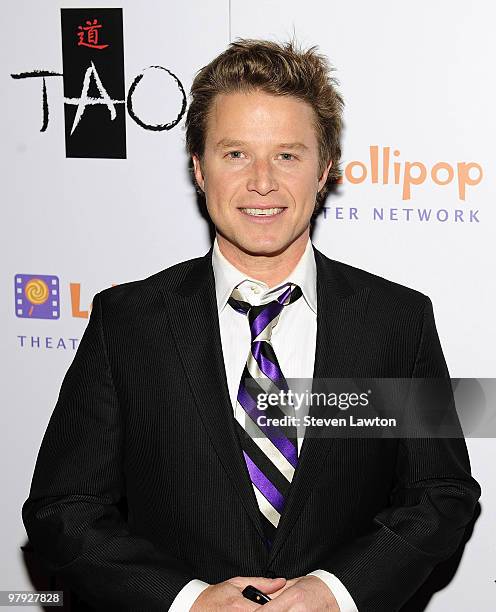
(261, 178)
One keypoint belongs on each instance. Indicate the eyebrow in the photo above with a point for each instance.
(227, 143)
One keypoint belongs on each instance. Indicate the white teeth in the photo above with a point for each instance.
(261, 212)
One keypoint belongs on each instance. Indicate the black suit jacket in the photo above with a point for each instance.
(140, 484)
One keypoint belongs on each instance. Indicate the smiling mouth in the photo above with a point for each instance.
(262, 212)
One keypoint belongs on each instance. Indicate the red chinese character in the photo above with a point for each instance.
(88, 35)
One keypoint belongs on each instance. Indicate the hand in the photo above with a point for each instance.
(227, 595)
(305, 594)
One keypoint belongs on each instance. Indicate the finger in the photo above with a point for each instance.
(277, 593)
(288, 584)
(274, 585)
(282, 603)
(266, 585)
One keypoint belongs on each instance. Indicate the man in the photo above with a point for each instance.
(149, 491)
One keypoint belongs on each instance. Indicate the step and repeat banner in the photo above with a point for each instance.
(96, 190)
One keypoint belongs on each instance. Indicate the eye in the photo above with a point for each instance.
(287, 156)
(234, 155)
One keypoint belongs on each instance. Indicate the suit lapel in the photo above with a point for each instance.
(340, 314)
(193, 315)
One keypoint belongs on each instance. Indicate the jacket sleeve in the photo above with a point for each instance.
(73, 514)
(433, 500)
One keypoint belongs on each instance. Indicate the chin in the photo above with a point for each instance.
(263, 247)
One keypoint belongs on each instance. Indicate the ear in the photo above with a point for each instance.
(198, 172)
(324, 175)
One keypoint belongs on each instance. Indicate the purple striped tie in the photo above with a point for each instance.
(270, 452)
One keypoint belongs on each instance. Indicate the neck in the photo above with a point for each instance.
(270, 269)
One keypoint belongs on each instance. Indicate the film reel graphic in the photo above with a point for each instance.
(37, 296)
(36, 291)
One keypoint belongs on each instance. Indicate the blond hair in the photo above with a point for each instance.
(277, 69)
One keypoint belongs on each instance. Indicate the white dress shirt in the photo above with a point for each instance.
(293, 340)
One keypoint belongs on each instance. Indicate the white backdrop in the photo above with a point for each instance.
(417, 78)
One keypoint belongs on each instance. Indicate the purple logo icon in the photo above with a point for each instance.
(37, 296)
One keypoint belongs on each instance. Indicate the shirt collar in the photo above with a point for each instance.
(227, 277)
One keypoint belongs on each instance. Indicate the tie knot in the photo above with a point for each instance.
(263, 318)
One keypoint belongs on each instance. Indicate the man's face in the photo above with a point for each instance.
(260, 170)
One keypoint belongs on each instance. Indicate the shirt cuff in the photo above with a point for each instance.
(340, 592)
(187, 595)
